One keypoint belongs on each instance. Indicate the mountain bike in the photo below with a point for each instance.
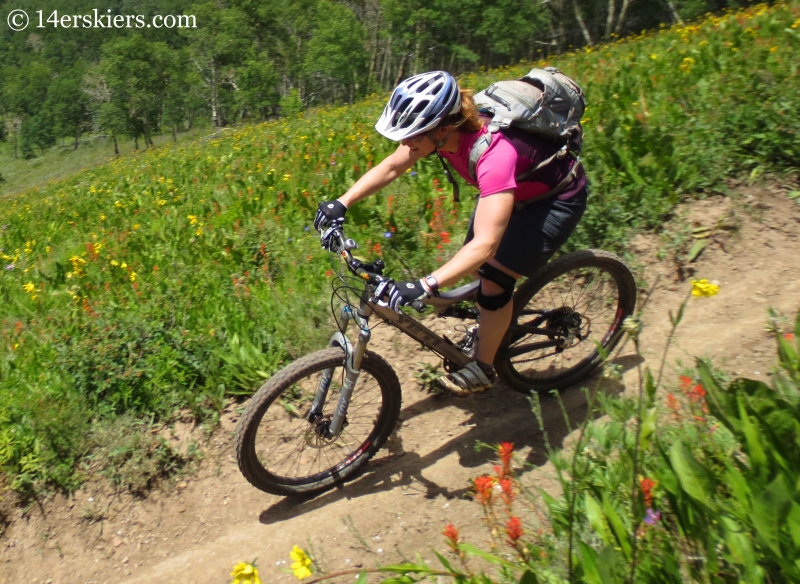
(319, 420)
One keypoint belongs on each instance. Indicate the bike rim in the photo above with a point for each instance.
(294, 451)
(591, 292)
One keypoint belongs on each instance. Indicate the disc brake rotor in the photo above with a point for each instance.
(316, 436)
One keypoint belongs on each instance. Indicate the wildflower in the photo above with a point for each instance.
(654, 56)
(114, 263)
(504, 452)
(507, 491)
(192, 219)
(301, 563)
(306, 228)
(696, 394)
(414, 173)
(132, 276)
(773, 49)
(787, 336)
(124, 265)
(199, 232)
(387, 234)
(483, 489)
(29, 287)
(652, 517)
(633, 326)
(9, 267)
(686, 382)
(136, 226)
(451, 533)
(704, 288)
(647, 486)
(513, 530)
(244, 573)
(672, 403)
(445, 237)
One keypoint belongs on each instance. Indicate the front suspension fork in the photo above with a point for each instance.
(353, 358)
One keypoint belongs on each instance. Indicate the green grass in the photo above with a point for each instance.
(60, 162)
(177, 277)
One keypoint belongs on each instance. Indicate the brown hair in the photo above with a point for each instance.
(468, 118)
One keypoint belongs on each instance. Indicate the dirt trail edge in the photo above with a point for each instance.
(200, 526)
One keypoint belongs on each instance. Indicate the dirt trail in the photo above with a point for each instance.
(200, 527)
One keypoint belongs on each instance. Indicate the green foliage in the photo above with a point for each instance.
(712, 497)
(179, 276)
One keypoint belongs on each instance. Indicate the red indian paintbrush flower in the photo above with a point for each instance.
(507, 488)
(513, 530)
(483, 489)
(451, 533)
(505, 451)
(647, 486)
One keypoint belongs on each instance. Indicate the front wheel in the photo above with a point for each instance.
(283, 448)
(560, 315)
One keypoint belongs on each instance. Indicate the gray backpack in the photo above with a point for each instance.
(544, 102)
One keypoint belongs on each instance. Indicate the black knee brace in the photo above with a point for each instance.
(506, 282)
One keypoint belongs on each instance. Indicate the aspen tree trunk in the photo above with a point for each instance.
(579, 18)
(610, 18)
(623, 11)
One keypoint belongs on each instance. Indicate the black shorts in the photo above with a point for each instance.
(536, 231)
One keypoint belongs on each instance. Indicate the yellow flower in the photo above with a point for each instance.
(704, 288)
(192, 219)
(654, 56)
(124, 265)
(773, 49)
(301, 563)
(244, 573)
(114, 263)
(137, 226)
(687, 64)
(102, 217)
(199, 232)
(132, 276)
(29, 287)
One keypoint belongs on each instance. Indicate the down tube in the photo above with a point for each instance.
(419, 332)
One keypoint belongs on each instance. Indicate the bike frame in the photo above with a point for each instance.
(442, 346)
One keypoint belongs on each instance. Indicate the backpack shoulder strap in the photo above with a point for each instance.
(480, 146)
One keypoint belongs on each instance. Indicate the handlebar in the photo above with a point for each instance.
(371, 272)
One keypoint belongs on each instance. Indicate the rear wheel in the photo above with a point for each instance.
(574, 303)
(283, 449)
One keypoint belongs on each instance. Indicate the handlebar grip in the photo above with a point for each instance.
(419, 306)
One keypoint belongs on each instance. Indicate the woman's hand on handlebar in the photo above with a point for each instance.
(330, 216)
(404, 293)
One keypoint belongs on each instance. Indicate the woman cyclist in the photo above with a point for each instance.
(515, 228)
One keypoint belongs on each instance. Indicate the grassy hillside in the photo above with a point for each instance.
(60, 162)
(176, 277)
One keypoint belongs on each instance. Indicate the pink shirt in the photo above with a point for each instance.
(511, 152)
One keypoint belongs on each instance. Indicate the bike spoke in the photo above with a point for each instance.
(591, 293)
(294, 450)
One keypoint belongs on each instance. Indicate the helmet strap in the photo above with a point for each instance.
(439, 143)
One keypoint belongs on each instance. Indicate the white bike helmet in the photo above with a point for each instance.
(418, 104)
